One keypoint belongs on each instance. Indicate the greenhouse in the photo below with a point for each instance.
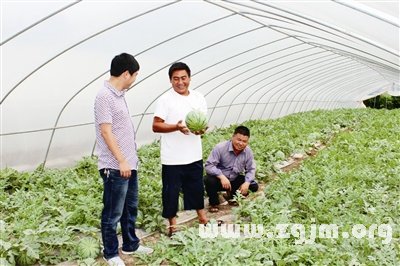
(296, 73)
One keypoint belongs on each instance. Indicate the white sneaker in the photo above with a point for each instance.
(115, 261)
(140, 250)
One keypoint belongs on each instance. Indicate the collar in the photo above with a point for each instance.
(177, 94)
(230, 148)
(118, 93)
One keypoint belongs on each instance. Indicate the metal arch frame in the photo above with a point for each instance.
(105, 72)
(199, 50)
(259, 81)
(304, 89)
(289, 19)
(351, 93)
(44, 129)
(339, 90)
(214, 77)
(268, 102)
(40, 21)
(361, 61)
(298, 21)
(247, 62)
(330, 71)
(248, 18)
(115, 25)
(253, 112)
(335, 94)
(223, 60)
(259, 73)
(366, 12)
(323, 45)
(325, 31)
(338, 43)
(259, 65)
(295, 83)
(55, 128)
(323, 24)
(353, 54)
(251, 49)
(376, 67)
(356, 88)
(224, 118)
(158, 44)
(194, 74)
(270, 82)
(362, 85)
(80, 42)
(234, 12)
(339, 77)
(355, 59)
(350, 47)
(357, 56)
(315, 95)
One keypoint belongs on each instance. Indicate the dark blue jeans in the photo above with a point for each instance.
(120, 204)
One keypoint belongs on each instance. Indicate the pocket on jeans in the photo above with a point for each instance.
(111, 175)
(115, 174)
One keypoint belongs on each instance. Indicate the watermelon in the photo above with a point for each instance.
(196, 120)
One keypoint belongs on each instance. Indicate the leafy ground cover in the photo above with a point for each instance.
(45, 213)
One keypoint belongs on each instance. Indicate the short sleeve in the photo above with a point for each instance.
(161, 109)
(103, 111)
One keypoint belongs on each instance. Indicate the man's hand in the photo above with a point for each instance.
(182, 128)
(200, 132)
(226, 184)
(244, 188)
(125, 169)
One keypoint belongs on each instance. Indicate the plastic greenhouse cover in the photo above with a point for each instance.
(251, 60)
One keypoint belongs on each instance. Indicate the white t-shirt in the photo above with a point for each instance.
(176, 147)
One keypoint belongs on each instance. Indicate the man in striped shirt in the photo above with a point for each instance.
(230, 167)
(118, 160)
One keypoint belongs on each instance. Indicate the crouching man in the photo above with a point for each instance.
(230, 167)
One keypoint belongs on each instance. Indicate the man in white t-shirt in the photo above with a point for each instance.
(181, 149)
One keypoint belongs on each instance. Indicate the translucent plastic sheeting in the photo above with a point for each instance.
(251, 60)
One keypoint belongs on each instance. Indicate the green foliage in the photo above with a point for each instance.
(354, 180)
(385, 101)
(45, 214)
(43, 211)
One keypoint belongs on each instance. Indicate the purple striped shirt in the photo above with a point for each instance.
(110, 107)
(223, 160)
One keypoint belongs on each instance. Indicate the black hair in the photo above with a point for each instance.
(178, 66)
(242, 130)
(122, 63)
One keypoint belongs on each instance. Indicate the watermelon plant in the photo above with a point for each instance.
(354, 180)
(46, 213)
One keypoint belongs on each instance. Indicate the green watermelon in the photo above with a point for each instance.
(196, 120)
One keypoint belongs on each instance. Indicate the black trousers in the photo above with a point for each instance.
(213, 185)
(187, 178)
